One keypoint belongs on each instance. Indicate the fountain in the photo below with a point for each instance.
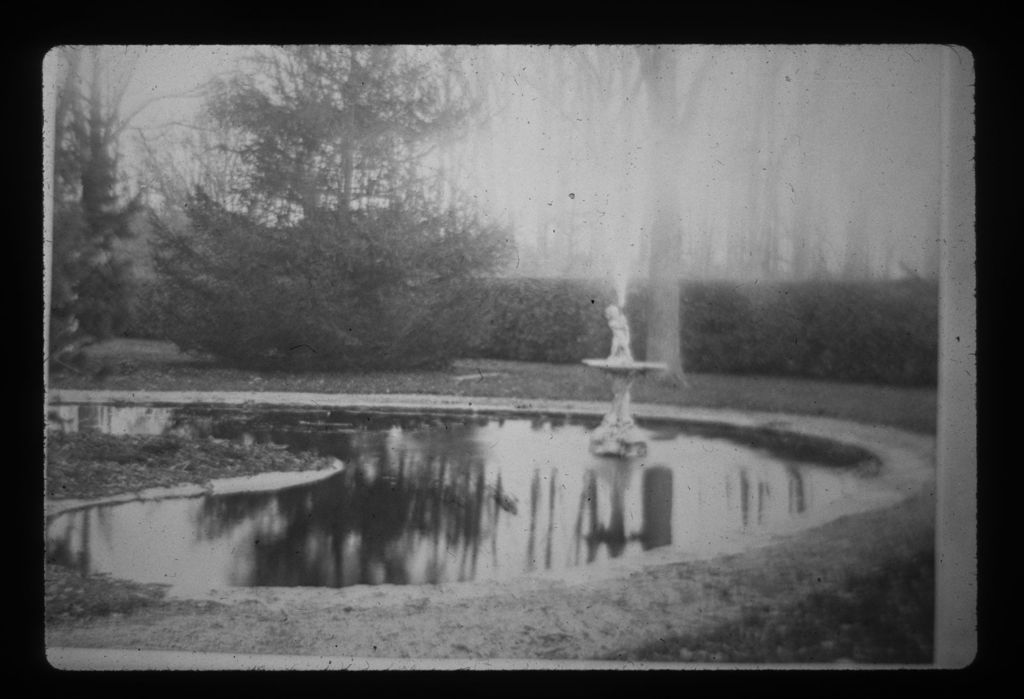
(615, 435)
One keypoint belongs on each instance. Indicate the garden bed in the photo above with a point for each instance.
(84, 465)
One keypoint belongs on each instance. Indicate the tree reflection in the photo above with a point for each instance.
(552, 491)
(72, 547)
(797, 498)
(531, 558)
(606, 483)
(744, 497)
(401, 498)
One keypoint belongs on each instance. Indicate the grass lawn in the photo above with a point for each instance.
(126, 364)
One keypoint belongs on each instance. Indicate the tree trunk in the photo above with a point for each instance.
(857, 254)
(543, 160)
(347, 169)
(802, 236)
(95, 176)
(348, 160)
(663, 322)
(626, 143)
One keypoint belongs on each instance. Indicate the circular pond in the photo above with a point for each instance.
(441, 497)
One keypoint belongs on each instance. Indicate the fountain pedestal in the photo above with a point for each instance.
(616, 436)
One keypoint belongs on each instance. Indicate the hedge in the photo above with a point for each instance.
(880, 331)
(884, 332)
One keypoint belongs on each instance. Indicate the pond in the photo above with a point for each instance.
(442, 497)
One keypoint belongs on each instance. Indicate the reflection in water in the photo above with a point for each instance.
(796, 491)
(429, 499)
(110, 419)
(657, 528)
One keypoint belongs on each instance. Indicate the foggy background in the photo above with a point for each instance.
(788, 162)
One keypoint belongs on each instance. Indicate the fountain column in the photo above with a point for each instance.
(615, 435)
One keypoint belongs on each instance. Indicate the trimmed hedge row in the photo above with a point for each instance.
(883, 332)
(543, 320)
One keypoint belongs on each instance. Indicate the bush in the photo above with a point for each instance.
(381, 289)
(149, 307)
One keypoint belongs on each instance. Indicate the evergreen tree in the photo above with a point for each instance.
(333, 253)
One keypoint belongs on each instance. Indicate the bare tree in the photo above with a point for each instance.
(92, 209)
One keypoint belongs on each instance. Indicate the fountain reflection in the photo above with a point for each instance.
(407, 510)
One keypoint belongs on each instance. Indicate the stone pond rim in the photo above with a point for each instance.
(839, 442)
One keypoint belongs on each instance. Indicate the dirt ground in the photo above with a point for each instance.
(552, 619)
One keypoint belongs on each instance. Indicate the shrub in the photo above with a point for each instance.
(149, 307)
(380, 289)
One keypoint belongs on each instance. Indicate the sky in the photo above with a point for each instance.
(842, 140)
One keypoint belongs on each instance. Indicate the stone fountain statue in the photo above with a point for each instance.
(620, 334)
(615, 435)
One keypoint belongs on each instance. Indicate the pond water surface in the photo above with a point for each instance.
(433, 498)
